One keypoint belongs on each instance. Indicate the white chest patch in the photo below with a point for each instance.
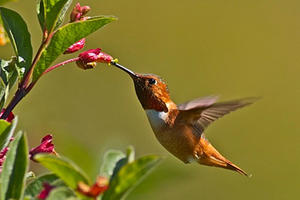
(156, 119)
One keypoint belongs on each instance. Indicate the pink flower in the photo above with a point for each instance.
(89, 59)
(45, 192)
(78, 12)
(46, 146)
(10, 117)
(76, 46)
(104, 58)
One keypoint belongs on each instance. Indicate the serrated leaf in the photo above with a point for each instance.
(36, 186)
(70, 173)
(129, 176)
(14, 169)
(6, 131)
(64, 37)
(110, 160)
(19, 36)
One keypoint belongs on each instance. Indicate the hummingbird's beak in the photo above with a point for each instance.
(128, 71)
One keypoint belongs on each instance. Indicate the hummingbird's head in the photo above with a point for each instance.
(150, 89)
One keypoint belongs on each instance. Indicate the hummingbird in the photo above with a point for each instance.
(180, 128)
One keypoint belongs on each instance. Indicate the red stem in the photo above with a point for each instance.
(60, 64)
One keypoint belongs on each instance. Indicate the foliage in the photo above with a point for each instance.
(120, 172)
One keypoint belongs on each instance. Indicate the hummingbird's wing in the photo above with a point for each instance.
(201, 114)
(199, 102)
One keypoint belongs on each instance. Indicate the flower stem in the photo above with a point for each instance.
(60, 64)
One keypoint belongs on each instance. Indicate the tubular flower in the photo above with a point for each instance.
(104, 58)
(46, 146)
(95, 190)
(45, 192)
(76, 46)
(10, 117)
(89, 59)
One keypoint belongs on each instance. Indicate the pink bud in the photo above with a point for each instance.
(78, 12)
(76, 46)
(45, 192)
(46, 146)
(85, 9)
(10, 116)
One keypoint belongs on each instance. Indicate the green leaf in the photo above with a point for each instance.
(70, 173)
(129, 176)
(19, 36)
(61, 193)
(62, 13)
(110, 160)
(40, 10)
(130, 154)
(9, 74)
(51, 13)
(64, 37)
(6, 131)
(36, 186)
(14, 169)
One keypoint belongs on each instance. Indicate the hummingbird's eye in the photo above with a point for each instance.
(151, 81)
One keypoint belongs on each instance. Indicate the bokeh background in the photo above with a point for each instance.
(229, 48)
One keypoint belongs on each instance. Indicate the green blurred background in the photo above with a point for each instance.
(229, 48)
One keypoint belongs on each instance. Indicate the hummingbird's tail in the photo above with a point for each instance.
(233, 167)
(208, 155)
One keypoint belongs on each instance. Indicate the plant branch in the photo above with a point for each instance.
(60, 64)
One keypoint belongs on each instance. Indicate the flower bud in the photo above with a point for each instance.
(46, 146)
(78, 12)
(76, 46)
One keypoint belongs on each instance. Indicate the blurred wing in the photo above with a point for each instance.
(202, 116)
(200, 102)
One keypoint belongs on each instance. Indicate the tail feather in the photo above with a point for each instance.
(233, 167)
(208, 155)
